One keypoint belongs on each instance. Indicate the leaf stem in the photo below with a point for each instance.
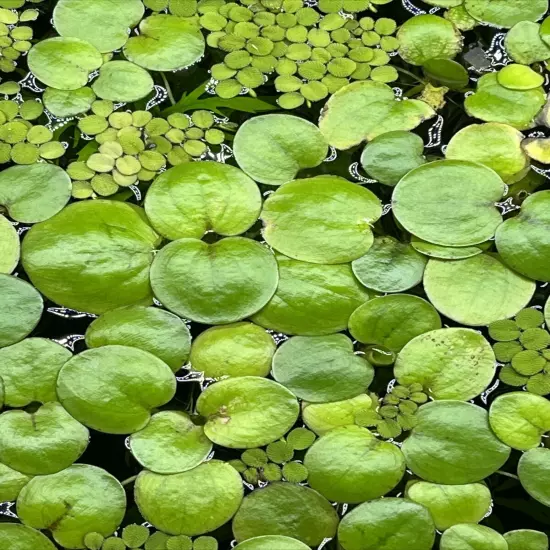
(128, 481)
(168, 89)
(502, 473)
(412, 75)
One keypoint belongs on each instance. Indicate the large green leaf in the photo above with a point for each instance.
(506, 13)
(195, 197)
(33, 193)
(165, 43)
(9, 246)
(103, 23)
(322, 220)
(113, 389)
(214, 283)
(247, 411)
(122, 81)
(272, 149)
(190, 503)
(14, 536)
(72, 503)
(92, 256)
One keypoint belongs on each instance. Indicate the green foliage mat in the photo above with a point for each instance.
(274, 275)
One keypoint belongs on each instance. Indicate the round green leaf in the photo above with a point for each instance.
(520, 419)
(323, 417)
(173, 503)
(29, 371)
(102, 23)
(393, 321)
(537, 148)
(272, 542)
(286, 509)
(165, 43)
(350, 465)
(312, 300)
(523, 242)
(452, 504)
(426, 37)
(506, 13)
(203, 282)
(388, 157)
(497, 146)
(387, 524)
(148, 328)
(446, 72)
(449, 202)
(366, 109)
(448, 252)
(14, 536)
(93, 256)
(321, 368)
(112, 389)
(35, 192)
(195, 197)
(44, 442)
(170, 443)
(468, 536)
(547, 312)
(68, 103)
(247, 412)
(526, 539)
(452, 363)
(9, 246)
(272, 149)
(453, 444)
(390, 266)
(122, 81)
(64, 63)
(239, 349)
(476, 291)
(323, 220)
(524, 44)
(534, 474)
(519, 77)
(494, 103)
(20, 309)
(11, 483)
(72, 503)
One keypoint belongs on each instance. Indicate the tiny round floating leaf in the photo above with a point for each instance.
(468, 535)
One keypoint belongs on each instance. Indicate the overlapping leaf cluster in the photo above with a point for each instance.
(297, 329)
